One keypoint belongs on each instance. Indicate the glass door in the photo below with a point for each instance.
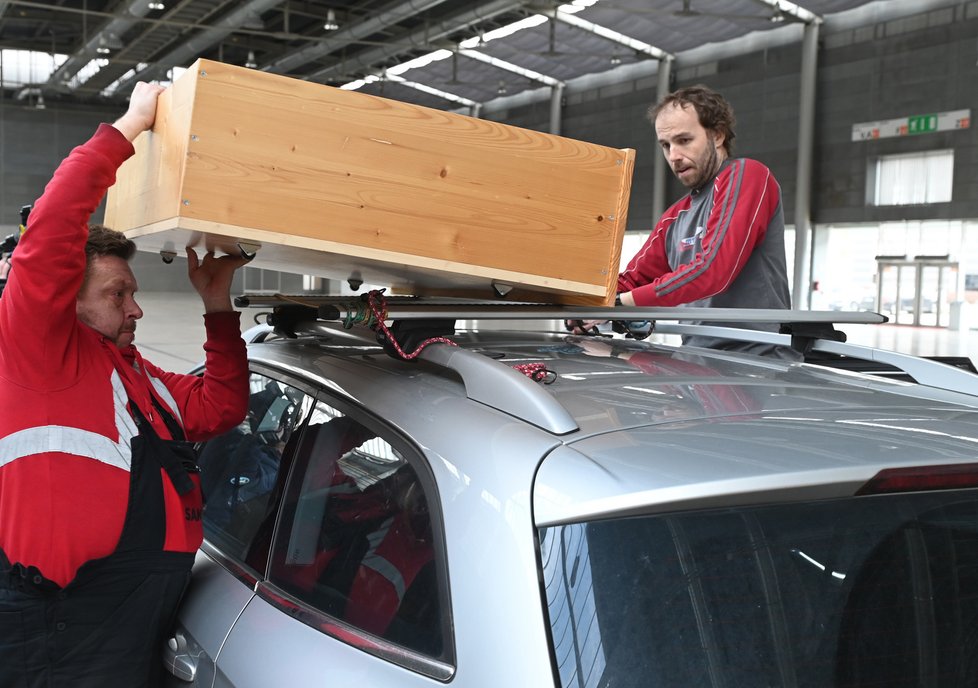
(916, 291)
(896, 285)
(938, 281)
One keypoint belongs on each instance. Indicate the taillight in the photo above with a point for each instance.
(918, 478)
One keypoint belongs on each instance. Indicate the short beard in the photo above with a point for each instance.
(710, 169)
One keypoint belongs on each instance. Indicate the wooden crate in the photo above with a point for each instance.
(353, 187)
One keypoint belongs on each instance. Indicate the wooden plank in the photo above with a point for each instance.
(244, 155)
(148, 186)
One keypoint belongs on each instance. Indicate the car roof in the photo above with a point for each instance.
(650, 425)
(608, 385)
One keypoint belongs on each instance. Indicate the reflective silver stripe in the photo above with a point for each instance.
(166, 397)
(125, 425)
(65, 440)
(377, 536)
(385, 568)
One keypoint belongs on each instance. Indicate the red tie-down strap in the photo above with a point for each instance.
(378, 308)
(377, 313)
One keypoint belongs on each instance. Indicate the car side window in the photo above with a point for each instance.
(355, 540)
(239, 469)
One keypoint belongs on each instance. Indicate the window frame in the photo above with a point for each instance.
(874, 174)
(239, 569)
(441, 668)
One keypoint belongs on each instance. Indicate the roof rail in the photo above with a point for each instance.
(486, 380)
(501, 387)
(925, 371)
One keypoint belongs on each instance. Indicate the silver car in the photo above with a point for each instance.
(530, 509)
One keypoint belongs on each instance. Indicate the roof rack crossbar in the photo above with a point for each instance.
(485, 379)
(924, 371)
(413, 308)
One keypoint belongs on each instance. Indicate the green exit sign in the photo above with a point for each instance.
(912, 125)
(921, 124)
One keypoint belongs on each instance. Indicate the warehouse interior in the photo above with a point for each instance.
(861, 108)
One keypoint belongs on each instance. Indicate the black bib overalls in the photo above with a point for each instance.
(108, 625)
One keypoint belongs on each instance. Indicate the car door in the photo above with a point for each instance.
(242, 472)
(356, 591)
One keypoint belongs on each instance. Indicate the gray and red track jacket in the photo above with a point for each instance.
(65, 431)
(720, 246)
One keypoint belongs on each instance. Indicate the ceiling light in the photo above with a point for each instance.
(330, 24)
(502, 88)
(577, 6)
(778, 15)
(503, 31)
(156, 5)
(108, 42)
(253, 21)
(421, 61)
(250, 62)
(615, 59)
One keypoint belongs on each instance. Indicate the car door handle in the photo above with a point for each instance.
(178, 659)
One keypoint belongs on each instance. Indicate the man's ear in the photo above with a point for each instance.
(718, 138)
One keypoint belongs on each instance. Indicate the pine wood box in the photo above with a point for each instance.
(344, 185)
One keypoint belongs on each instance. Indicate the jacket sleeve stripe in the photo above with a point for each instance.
(695, 270)
(731, 274)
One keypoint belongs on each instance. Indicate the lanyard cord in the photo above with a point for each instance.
(140, 391)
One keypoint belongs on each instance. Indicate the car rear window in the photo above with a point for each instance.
(868, 591)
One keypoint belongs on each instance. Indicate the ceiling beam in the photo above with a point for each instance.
(608, 34)
(791, 9)
(369, 60)
(110, 33)
(510, 67)
(192, 47)
(347, 35)
(424, 88)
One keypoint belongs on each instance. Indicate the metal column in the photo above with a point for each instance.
(659, 172)
(556, 107)
(801, 290)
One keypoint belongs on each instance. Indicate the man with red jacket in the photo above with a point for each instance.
(99, 493)
(722, 244)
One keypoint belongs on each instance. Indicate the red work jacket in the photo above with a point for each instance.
(65, 431)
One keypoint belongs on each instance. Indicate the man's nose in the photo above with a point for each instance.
(135, 311)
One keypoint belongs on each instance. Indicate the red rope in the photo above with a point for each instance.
(380, 314)
(537, 372)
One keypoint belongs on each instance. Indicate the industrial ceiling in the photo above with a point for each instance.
(444, 54)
